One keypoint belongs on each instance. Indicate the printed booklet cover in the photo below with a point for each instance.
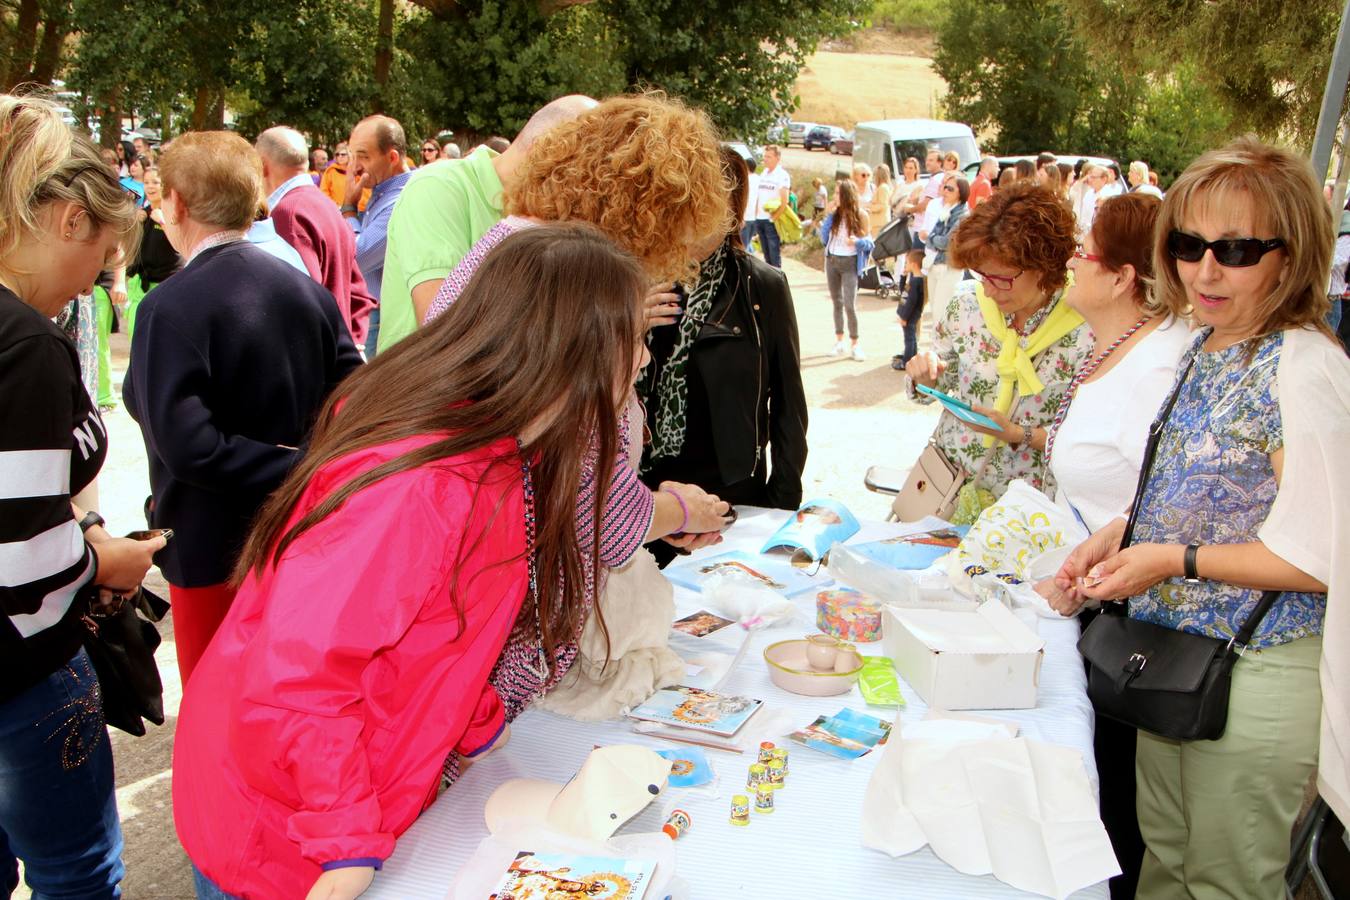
(690, 707)
(914, 551)
(776, 575)
(549, 876)
(814, 528)
(846, 734)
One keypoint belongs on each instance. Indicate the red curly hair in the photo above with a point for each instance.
(1024, 226)
(643, 168)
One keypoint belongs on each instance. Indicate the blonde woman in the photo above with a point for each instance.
(862, 183)
(63, 216)
(879, 207)
(1247, 494)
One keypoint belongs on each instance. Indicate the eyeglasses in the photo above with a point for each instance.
(1235, 253)
(430, 149)
(340, 153)
(1080, 253)
(998, 282)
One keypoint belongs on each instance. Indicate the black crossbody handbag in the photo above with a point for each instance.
(1167, 682)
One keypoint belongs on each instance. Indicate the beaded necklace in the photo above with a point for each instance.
(539, 669)
(1084, 374)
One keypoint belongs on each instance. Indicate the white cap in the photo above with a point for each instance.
(614, 784)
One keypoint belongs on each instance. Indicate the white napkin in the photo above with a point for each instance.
(988, 803)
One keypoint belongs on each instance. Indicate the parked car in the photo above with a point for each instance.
(820, 136)
(797, 131)
(842, 146)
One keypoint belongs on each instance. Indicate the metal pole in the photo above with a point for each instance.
(1333, 98)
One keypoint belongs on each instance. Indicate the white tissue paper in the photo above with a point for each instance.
(741, 598)
(986, 803)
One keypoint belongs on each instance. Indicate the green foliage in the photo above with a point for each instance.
(913, 16)
(738, 60)
(1014, 65)
(1264, 62)
(1180, 119)
(1023, 69)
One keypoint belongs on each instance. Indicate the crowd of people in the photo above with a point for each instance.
(406, 426)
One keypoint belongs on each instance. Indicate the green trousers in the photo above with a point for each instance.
(1216, 815)
(103, 319)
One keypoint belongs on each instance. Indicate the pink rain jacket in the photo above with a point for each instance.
(314, 728)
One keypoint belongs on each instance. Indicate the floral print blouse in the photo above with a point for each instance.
(970, 353)
(1212, 483)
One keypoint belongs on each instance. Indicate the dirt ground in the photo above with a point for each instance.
(846, 88)
(858, 417)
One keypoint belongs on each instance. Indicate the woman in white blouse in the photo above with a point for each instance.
(1096, 450)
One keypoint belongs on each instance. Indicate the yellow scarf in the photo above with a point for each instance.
(1015, 353)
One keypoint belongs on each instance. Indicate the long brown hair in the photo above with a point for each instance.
(850, 210)
(545, 332)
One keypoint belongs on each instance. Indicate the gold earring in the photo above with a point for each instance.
(69, 235)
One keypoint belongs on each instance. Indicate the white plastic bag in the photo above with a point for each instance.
(1010, 537)
(913, 589)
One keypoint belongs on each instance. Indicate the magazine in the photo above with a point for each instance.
(701, 624)
(690, 707)
(846, 734)
(814, 528)
(914, 551)
(773, 574)
(550, 876)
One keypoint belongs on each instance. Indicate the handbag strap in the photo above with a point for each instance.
(1151, 450)
(1253, 621)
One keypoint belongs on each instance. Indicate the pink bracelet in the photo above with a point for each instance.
(683, 506)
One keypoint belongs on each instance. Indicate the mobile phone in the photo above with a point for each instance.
(166, 533)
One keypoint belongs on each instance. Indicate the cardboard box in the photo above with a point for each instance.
(965, 659)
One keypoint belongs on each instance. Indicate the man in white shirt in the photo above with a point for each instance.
(774, 184)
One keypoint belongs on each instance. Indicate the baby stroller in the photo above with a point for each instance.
(893, 241)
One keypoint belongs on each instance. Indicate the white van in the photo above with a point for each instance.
(890, 141)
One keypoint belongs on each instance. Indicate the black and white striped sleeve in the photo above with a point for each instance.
(44, 559)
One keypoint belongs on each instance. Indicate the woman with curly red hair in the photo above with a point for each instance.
(1009, 345)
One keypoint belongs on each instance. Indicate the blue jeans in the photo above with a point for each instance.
(206, 889)
(373, 333)
(747, 234)
(57, 809)
(768, 242)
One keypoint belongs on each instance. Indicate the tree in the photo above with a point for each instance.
(1263, 61)
(1015, 66)
(737, 60)
(32, 40)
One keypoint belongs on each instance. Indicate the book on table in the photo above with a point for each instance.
(548, 876)
(696, 709)
(814, 528)
(775, 574)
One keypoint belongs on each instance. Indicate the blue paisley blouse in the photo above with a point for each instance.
(1212, 483)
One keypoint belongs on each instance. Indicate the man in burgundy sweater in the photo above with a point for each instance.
(308, 221)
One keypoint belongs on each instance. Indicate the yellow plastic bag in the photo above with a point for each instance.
(789, 226)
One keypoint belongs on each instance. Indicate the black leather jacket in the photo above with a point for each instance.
(748, 365)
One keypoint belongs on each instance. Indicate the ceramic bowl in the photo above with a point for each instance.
(790, 670)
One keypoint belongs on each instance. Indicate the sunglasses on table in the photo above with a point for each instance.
(1234, 253)
(998, 282)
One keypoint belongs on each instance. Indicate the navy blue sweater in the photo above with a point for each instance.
(230, 362)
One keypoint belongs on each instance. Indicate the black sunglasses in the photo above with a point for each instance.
(431, 149)
(1235, 253)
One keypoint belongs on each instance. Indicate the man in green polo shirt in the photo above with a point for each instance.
(443, 211)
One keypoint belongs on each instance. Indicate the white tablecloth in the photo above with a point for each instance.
(810, 847)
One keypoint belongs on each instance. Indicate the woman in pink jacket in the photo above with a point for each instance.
(383, 579)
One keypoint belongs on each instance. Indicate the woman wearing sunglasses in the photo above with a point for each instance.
(1008, 345)
(1247, 493)
(431, 152)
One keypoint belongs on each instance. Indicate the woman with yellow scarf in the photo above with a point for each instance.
(1007, 344)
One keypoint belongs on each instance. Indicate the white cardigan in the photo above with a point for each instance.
(1309, 524)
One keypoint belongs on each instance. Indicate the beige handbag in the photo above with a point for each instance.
(934, 484)
(932, 487)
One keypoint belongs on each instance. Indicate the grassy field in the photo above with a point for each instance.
(846, 88)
